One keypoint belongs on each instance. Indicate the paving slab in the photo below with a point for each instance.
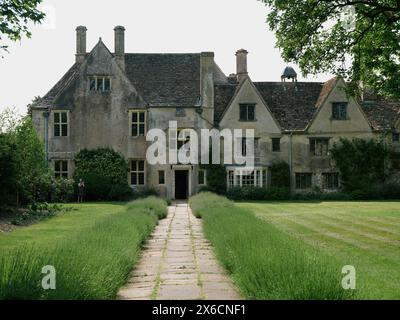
(178, 263)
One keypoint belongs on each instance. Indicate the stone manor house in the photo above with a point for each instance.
(111, 99)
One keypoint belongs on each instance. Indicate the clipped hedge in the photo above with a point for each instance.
(258, 193)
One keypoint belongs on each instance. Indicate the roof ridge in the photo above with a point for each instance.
(289, 83)
(163, 53)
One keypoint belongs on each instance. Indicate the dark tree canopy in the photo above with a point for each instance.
(15, 15)
(356, 39)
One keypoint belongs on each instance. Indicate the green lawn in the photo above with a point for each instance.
(363, 234)
(92, 249)
(49, 231)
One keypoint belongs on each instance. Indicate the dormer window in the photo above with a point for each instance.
(100, 84)
(339, 110)
(247, 112)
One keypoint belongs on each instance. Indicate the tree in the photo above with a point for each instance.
(24, 174)
(356, 39)
(15, 15)
(33, 177)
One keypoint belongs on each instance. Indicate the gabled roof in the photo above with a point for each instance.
(49, 99)
(326, 90)
(381, 113)
(169, 80)
(165, 79)
(223, 94)
(291, 104)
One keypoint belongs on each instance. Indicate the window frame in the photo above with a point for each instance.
(163, 176)
(333, 184)
(299, 183)
(103, 84)
(180, 142)
(313, 146)
(60, 123)
(273, 148)
(138, 123)
(204, 177)
(337, 114)
(247, 106)
(137, 172)
(61, 173)
(259, 177)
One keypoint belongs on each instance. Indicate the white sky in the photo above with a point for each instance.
(33, 66)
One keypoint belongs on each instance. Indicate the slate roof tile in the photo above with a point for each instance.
(165, 79)
(381, 113)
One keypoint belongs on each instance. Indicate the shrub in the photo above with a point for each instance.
(121, 192)
(216, 178)
(147, 192)
(63, 190)
(280, 175)
(258, 193)
(102, 162)
(391, 190)
(37, 212)
(247, 193)
(150, 205)
(207, 189)
(277, 193)
(97, 187)
(212, 200)
(104, 172)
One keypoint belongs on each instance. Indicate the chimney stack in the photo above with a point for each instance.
(207, 67)
(120, 45)
(241, 64)
(80, 43)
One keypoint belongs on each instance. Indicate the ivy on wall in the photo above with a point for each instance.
(362, 163)
(104, 172)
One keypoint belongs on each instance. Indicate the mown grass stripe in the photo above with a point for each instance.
(342, 228)
(362, 224)
(365, 228)
(378, 268)
(349, 237)
(265, 262)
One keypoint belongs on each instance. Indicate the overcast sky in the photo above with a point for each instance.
(33, 66)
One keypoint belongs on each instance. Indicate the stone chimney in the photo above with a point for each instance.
(241, 64)
(119, 32)
(207, 65)
(80, 43)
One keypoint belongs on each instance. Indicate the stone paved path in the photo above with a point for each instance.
(178, 263)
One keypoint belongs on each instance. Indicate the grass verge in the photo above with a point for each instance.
(90, 264)
(363, 234)
(264, 262)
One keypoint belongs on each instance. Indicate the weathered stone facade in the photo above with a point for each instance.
(95, 101)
